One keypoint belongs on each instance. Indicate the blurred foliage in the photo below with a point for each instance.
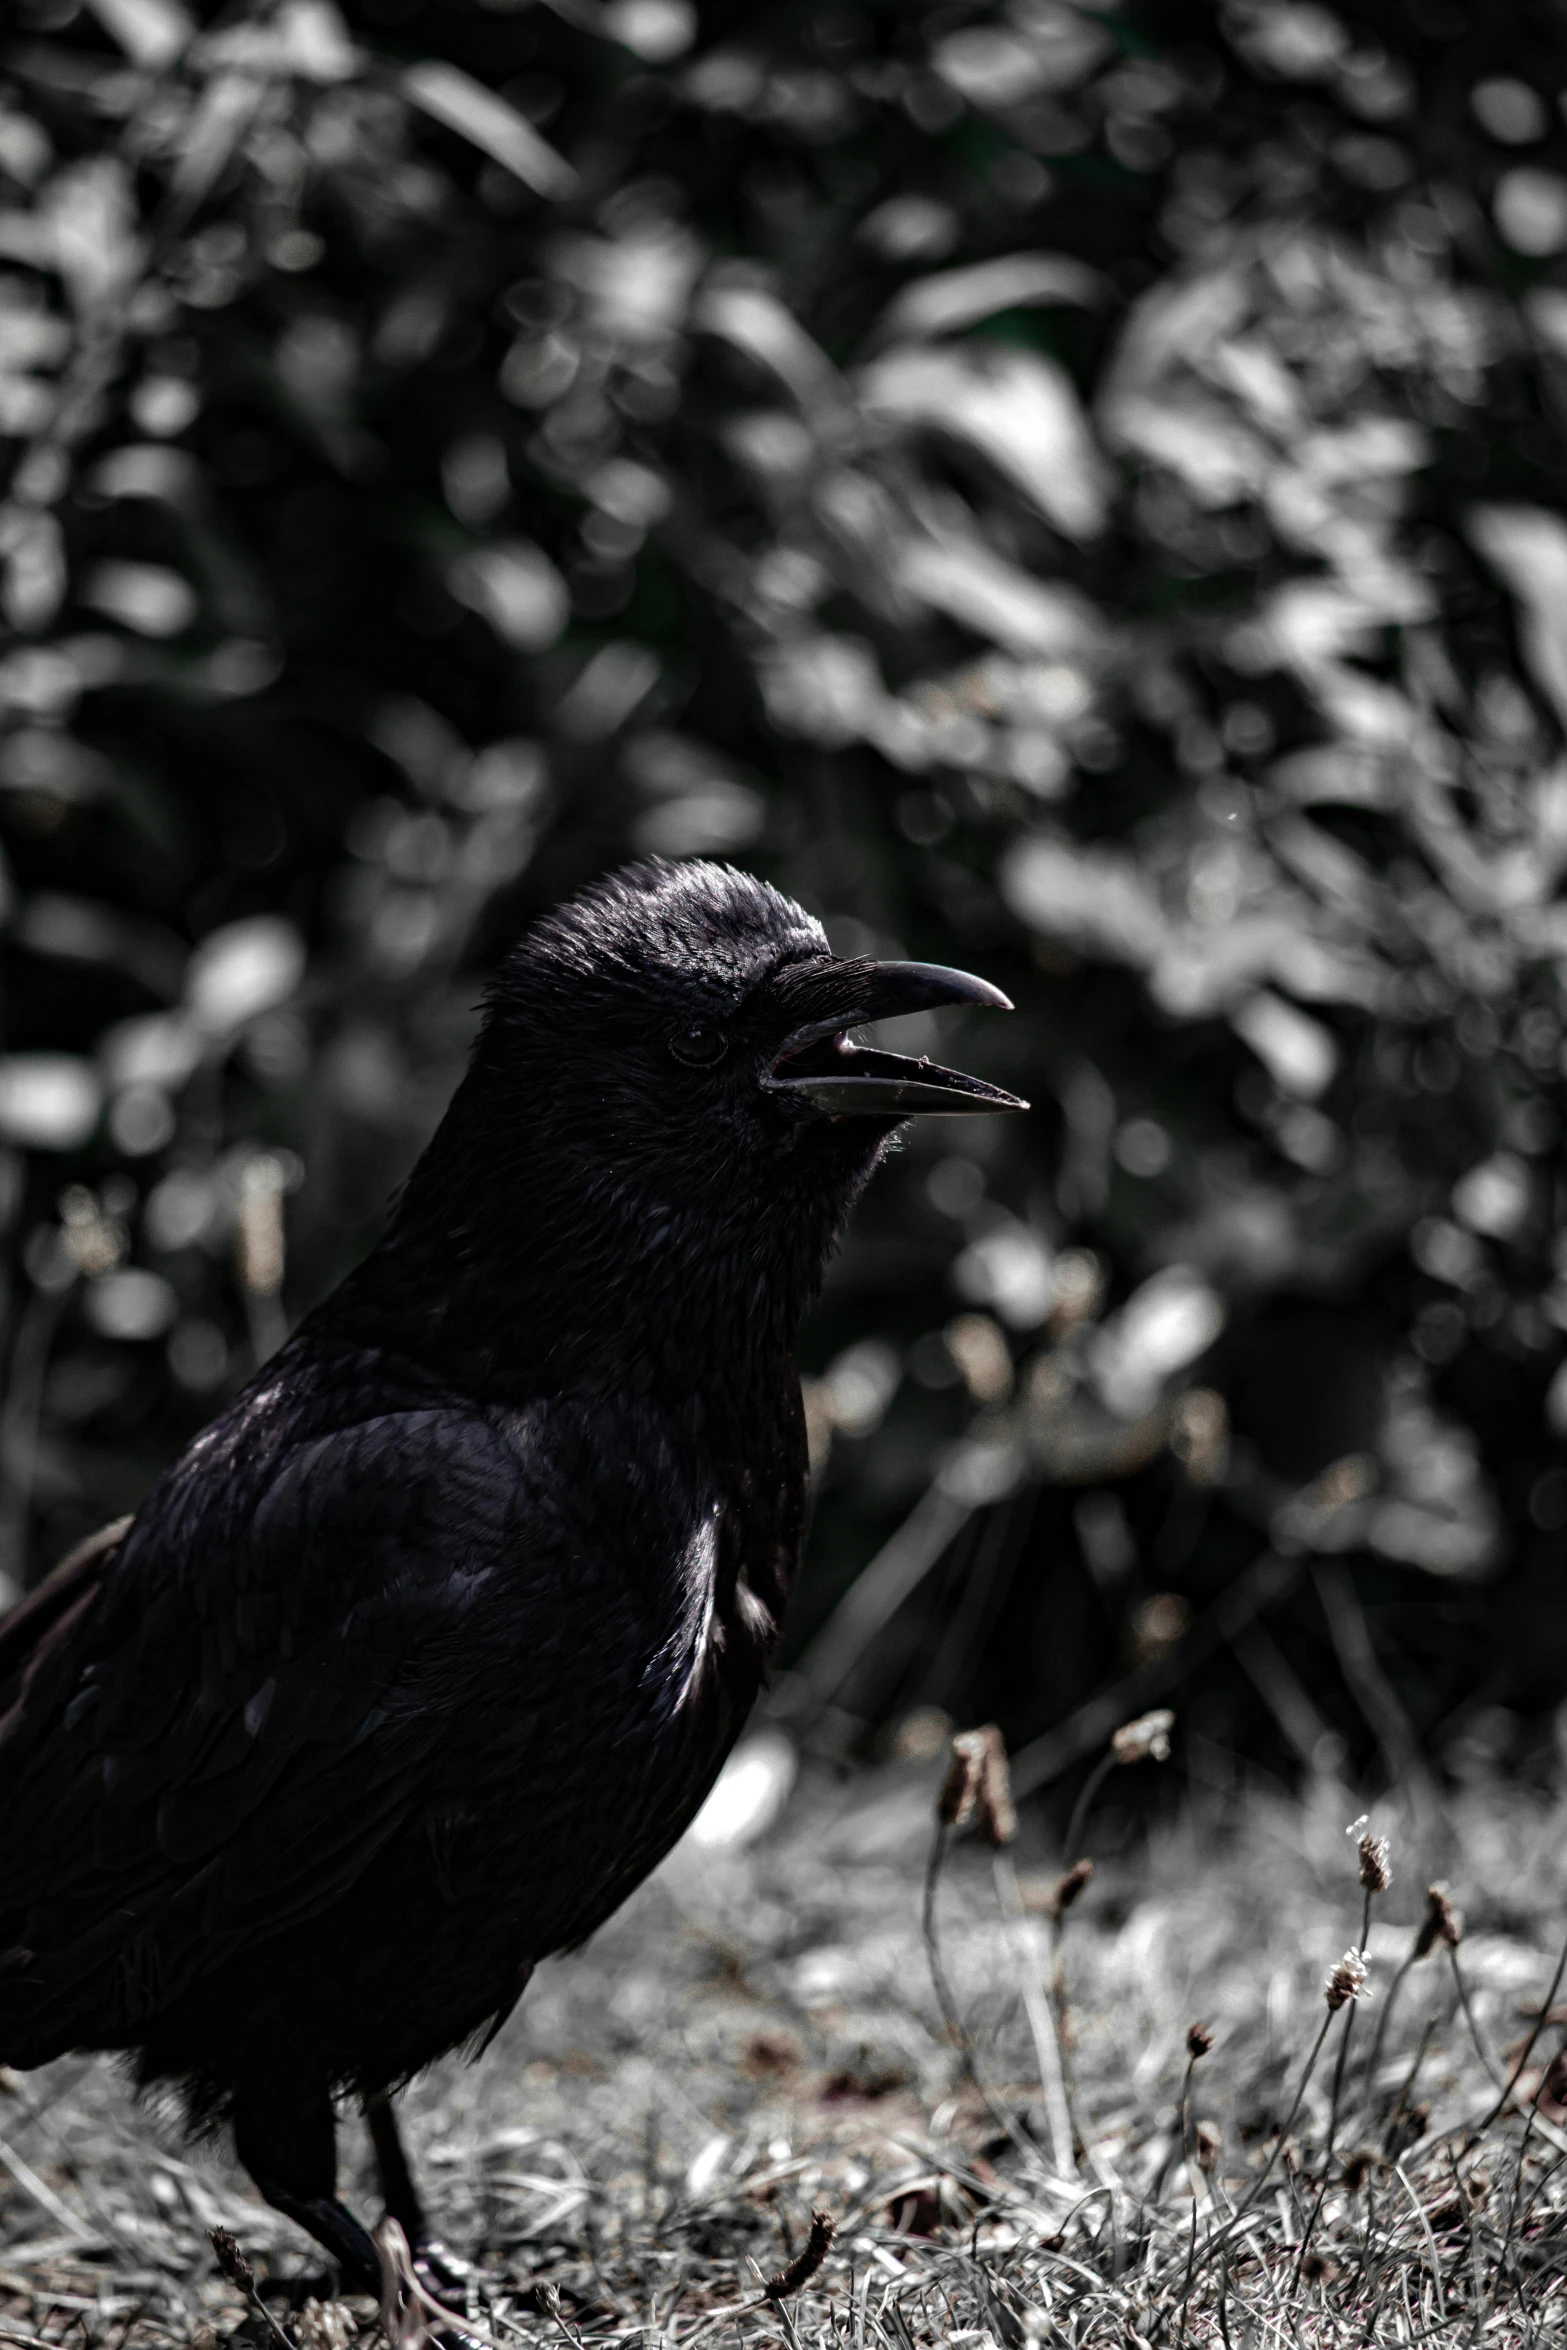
(1072, 491)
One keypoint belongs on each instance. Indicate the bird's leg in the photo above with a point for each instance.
(441, 2270)
(286, 2137)
(398, 2191)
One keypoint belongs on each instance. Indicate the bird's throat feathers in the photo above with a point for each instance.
(523, 1262)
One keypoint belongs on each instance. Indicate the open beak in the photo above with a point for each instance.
(822, 1070)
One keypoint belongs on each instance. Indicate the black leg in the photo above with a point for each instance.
(286, 2137)
(441, 2271)
(398, 2191)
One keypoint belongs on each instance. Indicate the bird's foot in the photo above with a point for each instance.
(448, 2277)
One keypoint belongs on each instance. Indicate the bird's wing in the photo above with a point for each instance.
(213, 1740)
(39, 1626)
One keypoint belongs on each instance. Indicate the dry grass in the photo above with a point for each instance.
(758, 2036)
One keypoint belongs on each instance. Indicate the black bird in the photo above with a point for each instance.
(426, 1651)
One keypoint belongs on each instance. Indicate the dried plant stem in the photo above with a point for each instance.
(1224, 2302)
(938, 1972)
(1187, 2153)
(1336, 2099)
(1512, 2201)
(1072, 1848)
(1369, 2268)
(1217, 2243)
(1408, 2083)
(950, 2014)
(1477, 2281)
(1058, 2001)
(1343, 2047)
(1541, 2184)
(1546, 2005)
(1368, 2078)
(1041, 2022)
(1419, 2210)
(1480, 2048)
(1290, 2118)
(1333, 2113)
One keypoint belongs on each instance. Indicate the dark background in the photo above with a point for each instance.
(1071, 492)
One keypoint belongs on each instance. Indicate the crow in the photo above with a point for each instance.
(428, 1648)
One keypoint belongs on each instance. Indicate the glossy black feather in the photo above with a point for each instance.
(430, 1647)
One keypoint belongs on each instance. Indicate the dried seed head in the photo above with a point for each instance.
(1441, 1923)
(1199, 1434)
(1358, 2168)
(1198, 2041)
(960, 1787)
(806, 2261)
(978, 1779)
(979, 1348)
(1146, 1739)
(1066, 1889)
(1375, 1874)
(997, 1813)
(1208, 2141)
(1080, 1289)
(922, 1735)
(93, 1240)
(1347, 1981)
(259, 1225)
(1157, 1623)
(231, 2260)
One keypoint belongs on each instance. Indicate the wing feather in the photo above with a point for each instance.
(214, 1721)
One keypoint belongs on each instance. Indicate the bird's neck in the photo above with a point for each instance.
(538, 1287)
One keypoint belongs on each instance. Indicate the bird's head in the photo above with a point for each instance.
(689, 1022)
(667, 1091)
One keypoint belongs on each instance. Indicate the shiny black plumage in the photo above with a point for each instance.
(429, 1648)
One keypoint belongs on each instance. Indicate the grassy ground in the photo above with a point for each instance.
(757, 2037)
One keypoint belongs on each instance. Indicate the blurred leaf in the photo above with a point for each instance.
(756, 323)
(452, 97)
(48, 1101)
(517, 589)
(153, 32)
(147, 597)
(961, 297)
(241, 970)
(1016, 407)
(1528, 548)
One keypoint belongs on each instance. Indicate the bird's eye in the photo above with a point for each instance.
(699, 1043)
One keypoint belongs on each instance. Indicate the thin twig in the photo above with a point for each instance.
(1041, 2022)
(951, 2015)
(1072, 1847)
(1546, 2006)
(1333, 2112)
(1493, 2069)
(1368, 2078)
